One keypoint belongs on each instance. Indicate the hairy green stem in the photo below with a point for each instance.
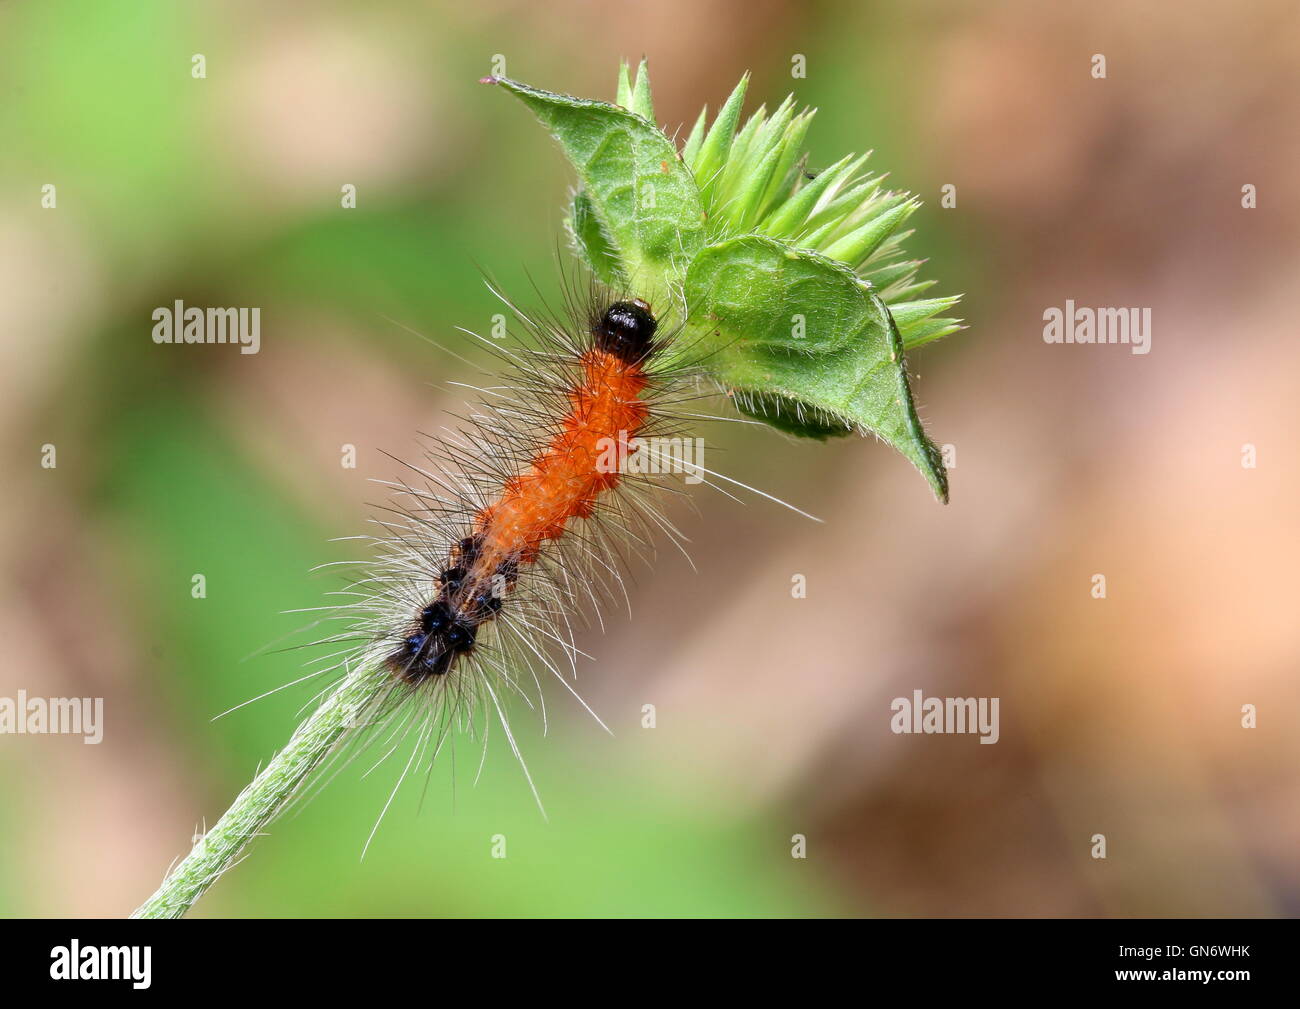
(265, 797)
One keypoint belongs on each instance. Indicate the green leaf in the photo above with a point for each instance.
(843, 369)
(885, 277)
(712, 158)
(767, 293)
(642, 103)
(909, 313)
(638, 193)
(798, 297)
(930, 330)
(787, 169)
(593, 243)
(624, 86)
(696, 139)
(857, 247)
(791, 215)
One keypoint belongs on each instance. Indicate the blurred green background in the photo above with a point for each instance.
(1118, 716)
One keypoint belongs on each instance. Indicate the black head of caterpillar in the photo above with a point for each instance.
(626, 329)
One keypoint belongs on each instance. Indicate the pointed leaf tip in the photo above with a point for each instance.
(641, 218)
(624, 93)
(642, 102)
(717, 142)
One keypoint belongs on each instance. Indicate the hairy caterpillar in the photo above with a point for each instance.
(563, 482)
(515, 528)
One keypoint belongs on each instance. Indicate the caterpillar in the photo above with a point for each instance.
(517, 525)
(563, 482)
(514, 529)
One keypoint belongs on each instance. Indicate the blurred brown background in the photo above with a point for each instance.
(1119, 716)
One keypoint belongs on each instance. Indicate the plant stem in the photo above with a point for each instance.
(265, 797)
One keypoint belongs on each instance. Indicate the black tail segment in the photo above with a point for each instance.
(448, 626)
